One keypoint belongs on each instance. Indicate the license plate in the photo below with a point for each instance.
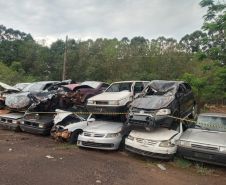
(91, 140)
(203, 155)
(100, 109)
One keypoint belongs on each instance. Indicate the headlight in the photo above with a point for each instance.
(166, 144)
(222, 149)
(90, 102)
(14, 121)
(112, 135)
(163, 112)
(21, 122)
(185, 143)
(41, 126)
(130, 137)
(113, 103)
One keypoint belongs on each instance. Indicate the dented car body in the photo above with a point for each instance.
(159, 143)
(78, 94)
(159, 102)
(68, 125)
(11, 121)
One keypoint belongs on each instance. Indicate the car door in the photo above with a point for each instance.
(181, 95)
(138, 88)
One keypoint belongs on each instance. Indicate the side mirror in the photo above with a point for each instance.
(91, 120)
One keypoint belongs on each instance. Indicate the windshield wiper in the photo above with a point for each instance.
(201, 127)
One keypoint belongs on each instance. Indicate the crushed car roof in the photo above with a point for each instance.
(163, 85)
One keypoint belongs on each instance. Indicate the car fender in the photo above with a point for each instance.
(75, 126)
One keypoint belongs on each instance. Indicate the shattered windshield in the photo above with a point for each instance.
(33, 87)
(91, 84)
(152, 93)
(216, 121)
(118, 87)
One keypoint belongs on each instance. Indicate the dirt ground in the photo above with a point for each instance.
(23, 161)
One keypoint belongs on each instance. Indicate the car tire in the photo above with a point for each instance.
(192, 115)
(74, 136)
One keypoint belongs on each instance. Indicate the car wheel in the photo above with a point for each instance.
(192, 115)
(74, 136)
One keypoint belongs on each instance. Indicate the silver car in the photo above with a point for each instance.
(205, 143)
(102, 134)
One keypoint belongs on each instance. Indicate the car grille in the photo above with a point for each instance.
(31, 124)
(6, 120)
(139, 151)
(101, 103)
(146, 111)
(90, 134)
(212, 148)
(98, 145)
(132, 121)
(150, 142)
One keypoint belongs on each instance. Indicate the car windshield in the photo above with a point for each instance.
(33, 87)
(91, 84)
(151, 93)
(216, 121)
(118, 87)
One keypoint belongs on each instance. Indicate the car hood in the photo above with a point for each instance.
(158, 134)
(74, 87)
(18, 100)
(104, 127)
(108, 96)
(8, 87)
(205, 137)
(153, 102)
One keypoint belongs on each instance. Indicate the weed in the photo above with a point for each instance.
(150, 165)
(66, 146)
(202, 170)
(182, 162)
(11, 133)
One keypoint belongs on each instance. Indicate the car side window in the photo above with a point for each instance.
(46, 86)
(188, 87)
(181, 90)
(138, 87)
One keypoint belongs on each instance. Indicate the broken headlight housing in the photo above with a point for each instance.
(113, 103)
(15, 122)
(21, 122)
(112, 135)
(41, 126)
(185, 143)
(130, 137)
(90, 102)
(162, 112)
(166, 144)
(222, 149)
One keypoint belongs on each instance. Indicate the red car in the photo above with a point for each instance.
(78, 94)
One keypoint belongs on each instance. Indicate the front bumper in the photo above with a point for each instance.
(10, 126)
(150, 121)
(203, 156)
(35, 130)
(150, 150)
(105, 109)
(99, 143)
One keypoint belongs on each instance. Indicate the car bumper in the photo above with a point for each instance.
(35, 130)
(10, 126)
(105, 109)
(149, 150)
(203, 156)
(99, 143)
(149, 121)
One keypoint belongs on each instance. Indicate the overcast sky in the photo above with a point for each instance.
(54, 19)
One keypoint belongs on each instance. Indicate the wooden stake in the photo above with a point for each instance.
(65, 60)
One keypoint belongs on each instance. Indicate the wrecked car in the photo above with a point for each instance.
(7, 91)
(40, 124)
(37, 93)
(68, 125)
(78, 94)
(10, 121)
(159, 101)
(20, 86)
(205, 140)
(159, 143)
(104, 133)
(116, 98)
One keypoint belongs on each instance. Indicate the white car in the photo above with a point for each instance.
(117, 97)
(67, 125)
(159, 143)
(102, 134)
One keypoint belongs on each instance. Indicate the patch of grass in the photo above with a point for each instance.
(202, 170)
(182, 162)
(11, 133)
(149, 165)
(65, 146)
